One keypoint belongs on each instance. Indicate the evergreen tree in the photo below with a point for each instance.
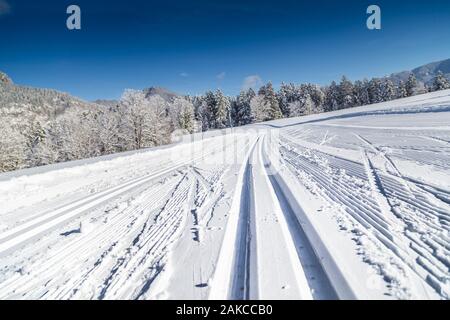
(388, 91)
(440, 82)
(317, 97)
(345, 98)
(375, 91)
(207, 111)
(401, 90)
(243, 112)
(411, 85)
(286, 95)
(332, 97)
(220, 111)
(270, 101)
(361, 92)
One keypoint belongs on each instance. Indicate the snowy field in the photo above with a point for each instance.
(353, 204)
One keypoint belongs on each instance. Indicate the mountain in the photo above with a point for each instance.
(4, 79)
(106, 103)
(162, 92)
(425, 73)
(16, 99)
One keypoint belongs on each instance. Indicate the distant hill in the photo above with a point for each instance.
(425, 73)
(16, 99)
(106, 103)
(162, 92)
(4, 79)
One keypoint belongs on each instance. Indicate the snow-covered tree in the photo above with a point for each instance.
(440, 82)
(160, 130)
(303, 106)
(109, 130)
(361, 92)
(220, 110)
(270, 102)
(242, 113)
(205, 109)
(259, 108)
(345, 98)
(146, 124)
(388, 91)
(376, 91)
(296, 109)
(411, 85)
(216, 110)
(287, 94)
(40, 145)
(332, 97)
(13, 146)
(317, 97)
(401, 90)
(182, 115)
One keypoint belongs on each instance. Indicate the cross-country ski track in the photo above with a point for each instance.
(353, 204)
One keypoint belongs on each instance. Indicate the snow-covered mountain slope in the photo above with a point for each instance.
(425, 73)
(353, 204)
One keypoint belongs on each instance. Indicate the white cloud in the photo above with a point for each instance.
(253, 81)
(5, 8)
(221, 76)
(184, 74)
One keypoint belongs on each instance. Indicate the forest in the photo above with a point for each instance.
(42, 126)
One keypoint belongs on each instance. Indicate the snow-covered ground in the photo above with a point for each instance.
(353, 204)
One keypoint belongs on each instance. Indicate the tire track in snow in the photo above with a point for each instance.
(365, 216)
(318, 281)
(427, 262)
(25, 232)
(242, 286)
(427, 259)
(108, 237)
(223, 280)
(271, 256)
(397, 226)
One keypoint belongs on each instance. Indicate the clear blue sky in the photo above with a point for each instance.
(190, 46)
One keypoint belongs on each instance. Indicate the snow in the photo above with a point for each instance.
(351, 204)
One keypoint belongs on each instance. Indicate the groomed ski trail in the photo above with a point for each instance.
(267, 255)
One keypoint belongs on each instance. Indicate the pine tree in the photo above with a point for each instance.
(346, 98)
(243, 112)
(361, 92)
(332, 97)
(207, 110)
(317, 97)
(401, 90)
(411, 85)
(375, 91)
(220, 111)
(270, 101)
(440, 82)
(388, 91)
(286, 95)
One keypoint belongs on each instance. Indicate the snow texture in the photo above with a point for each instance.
(349, 204)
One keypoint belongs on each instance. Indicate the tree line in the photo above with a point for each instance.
(40, 127)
